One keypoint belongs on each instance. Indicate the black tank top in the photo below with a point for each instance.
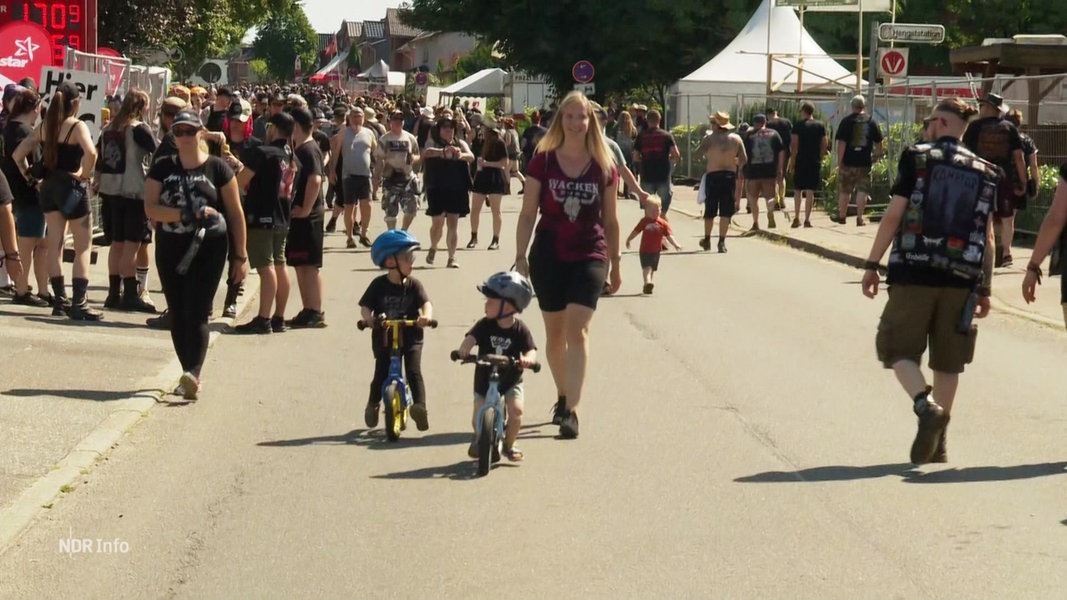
(69, 156)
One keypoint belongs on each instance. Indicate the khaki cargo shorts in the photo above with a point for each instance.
(918, 314)
(854, 178)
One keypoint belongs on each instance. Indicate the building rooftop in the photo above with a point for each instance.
(397, 28)
(373, 30)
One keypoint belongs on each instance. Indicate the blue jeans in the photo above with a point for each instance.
(661, 189)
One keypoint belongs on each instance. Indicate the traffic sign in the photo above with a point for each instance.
(893, 62)
(421, 78)
(586, 88)
(911, 32)
(583, 71)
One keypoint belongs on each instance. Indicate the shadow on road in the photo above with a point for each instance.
(94, 395)
(461, 471)
(982, 474)
(832, 473)
(908, 473)
(105, 323)
(373, 439)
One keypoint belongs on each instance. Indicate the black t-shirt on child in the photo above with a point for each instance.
(512, 341)
(395, 301)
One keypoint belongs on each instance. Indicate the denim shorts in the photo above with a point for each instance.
(29, 221)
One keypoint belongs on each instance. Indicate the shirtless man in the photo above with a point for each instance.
(725, 153)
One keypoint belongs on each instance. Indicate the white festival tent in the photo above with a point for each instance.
(380, 70)
(739, 72)
(486, 83)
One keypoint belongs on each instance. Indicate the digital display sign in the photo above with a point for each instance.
(68, 22)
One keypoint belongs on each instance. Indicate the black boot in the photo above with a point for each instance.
(114, 296)
(131, 297)
(79, 306)
(61, 305)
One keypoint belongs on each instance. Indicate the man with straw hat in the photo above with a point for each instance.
(725, 154)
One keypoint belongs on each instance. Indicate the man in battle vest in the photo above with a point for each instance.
(940, 268)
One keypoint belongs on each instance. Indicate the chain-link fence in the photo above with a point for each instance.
(898, 107)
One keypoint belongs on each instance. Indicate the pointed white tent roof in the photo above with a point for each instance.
(487, 82)
(744, 61)
(379, 69)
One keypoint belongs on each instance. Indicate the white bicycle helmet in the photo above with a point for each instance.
(510, 286)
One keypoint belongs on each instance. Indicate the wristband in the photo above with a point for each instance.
(240, 259)
(871, 265)
(1035, 269)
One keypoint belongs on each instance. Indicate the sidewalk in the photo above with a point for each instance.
(69, 390)
(850, 244)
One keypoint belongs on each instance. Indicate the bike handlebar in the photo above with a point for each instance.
(489, 360)
(361, 324)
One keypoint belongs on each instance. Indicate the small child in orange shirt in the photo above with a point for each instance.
(653, 229)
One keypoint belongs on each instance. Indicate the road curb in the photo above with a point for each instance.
(20, 515)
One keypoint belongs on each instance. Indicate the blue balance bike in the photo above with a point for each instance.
(492, 417)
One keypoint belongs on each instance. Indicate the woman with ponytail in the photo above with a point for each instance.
(69, 156)
(125, 146)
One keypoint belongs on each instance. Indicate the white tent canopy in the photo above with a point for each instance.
(740, 70)
(380, 70)
(484, 83)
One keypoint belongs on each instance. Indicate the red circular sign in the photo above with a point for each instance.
(25, 48)
(893, 62)
(583, 71)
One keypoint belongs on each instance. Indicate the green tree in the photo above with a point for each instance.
(481, 57)
(282, 38)
(200, 28)
(632, 43)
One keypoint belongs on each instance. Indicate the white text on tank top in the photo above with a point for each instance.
(398, 151)
(356, 152)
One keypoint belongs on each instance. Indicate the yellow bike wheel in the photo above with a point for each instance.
(394, 412)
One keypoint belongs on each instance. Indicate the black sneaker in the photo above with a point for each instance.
(370, 415)
(364, 240)
(494, 244)
(419, 415)
(137, 304)
(29, 299)
(277, 324)
(473, 243)
(705, 243)
(161, 322)
(331, 225)
(230, 312)
(258, 325)
(722, 246)
(112, 301)
(648, 288)
(308, 319)
(568, 427)
(558, 409)
(932, 421)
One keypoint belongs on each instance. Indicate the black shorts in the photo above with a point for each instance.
(303, 247)
(807, 177)
(54, 191)
(124, 220)
(355, 188)
(649, 260)
(559, 283)
(441, 202)
(719, 190)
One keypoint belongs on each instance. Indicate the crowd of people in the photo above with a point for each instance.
(228, 180)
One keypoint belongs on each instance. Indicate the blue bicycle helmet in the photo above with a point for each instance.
(391, 243)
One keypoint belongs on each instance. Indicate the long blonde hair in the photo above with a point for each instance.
(626, 124)
(595, 143)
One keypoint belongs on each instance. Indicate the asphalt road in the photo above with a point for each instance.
(739, 440)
